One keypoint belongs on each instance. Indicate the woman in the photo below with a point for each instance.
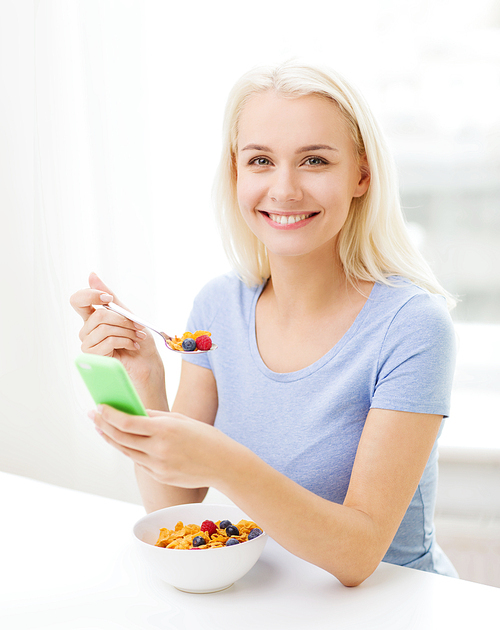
(319, 413)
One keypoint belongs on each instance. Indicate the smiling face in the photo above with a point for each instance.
(297, 172)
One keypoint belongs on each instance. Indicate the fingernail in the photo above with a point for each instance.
(99, 430)
(141, 334)
(137, 345)
(91, 414)
(138, 326)
(100, 409)
(106, 297)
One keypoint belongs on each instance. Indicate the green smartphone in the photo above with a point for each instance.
(109, 384)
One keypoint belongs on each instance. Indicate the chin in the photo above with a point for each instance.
(298, 250)
(290, 251)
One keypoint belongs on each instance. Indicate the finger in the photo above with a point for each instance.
(138, 457)
(153, 413)
(106, 320)
(82, 301)
(139, 426)
(124, 440)
(104, 332)
(174, 415)
(108, 347)
(96, 283)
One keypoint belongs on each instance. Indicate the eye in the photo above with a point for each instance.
(260, 161)
(315, 161)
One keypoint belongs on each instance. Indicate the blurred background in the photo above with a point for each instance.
(110, 121)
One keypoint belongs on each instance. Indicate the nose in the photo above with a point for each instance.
(285, 186)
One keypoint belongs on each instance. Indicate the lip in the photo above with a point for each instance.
(292, 226)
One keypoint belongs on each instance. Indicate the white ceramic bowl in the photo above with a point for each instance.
(203, 570)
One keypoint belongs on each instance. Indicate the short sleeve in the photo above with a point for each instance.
(417, 359)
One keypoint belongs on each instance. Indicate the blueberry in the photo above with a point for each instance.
(224, 524)
(254, 533)
(232, 530)
(198, 541)
(232, 541)
(189, 345)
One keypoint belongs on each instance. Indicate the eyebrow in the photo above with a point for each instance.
(310, 147)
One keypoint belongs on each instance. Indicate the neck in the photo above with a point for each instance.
(306, 285)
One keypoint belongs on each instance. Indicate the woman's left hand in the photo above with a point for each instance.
(171, 447)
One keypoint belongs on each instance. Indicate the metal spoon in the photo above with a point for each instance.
(142, 322)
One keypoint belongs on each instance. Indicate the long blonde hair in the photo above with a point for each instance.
(374, 242)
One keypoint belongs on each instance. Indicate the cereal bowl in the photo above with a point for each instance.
(196, 570)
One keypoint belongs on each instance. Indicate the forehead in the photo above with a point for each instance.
(269, 118)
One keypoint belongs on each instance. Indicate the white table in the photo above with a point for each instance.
(67, 561)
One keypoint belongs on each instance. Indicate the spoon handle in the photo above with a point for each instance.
(138, 320)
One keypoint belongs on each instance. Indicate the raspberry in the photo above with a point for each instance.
(204, 342)
(209, 527)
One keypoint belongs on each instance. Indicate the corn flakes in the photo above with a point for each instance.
(182, 536)
(199, 333)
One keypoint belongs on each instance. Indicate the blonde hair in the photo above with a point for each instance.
(374, 242)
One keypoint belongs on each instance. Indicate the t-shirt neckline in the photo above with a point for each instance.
(310, 369)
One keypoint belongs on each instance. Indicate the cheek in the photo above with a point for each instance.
(333, 192)
(247, 193)
(325, 192)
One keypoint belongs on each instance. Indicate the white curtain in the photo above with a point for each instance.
(110, 118)
(113, 177)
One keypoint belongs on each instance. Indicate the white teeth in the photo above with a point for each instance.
(283, 219)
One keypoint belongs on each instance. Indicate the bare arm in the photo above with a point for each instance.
(347, 540)
(196, 398)
(106, 333)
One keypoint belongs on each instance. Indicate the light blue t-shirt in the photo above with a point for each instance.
(398, 354)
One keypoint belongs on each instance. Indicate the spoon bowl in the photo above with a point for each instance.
(166, 338)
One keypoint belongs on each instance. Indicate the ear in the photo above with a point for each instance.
(364, 180)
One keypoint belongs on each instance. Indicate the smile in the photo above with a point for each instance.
(284, 221)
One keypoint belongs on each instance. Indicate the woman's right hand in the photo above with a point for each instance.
(109, 334)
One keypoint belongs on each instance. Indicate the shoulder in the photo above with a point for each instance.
(415, 314)
(421, 302)
(402, 299)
